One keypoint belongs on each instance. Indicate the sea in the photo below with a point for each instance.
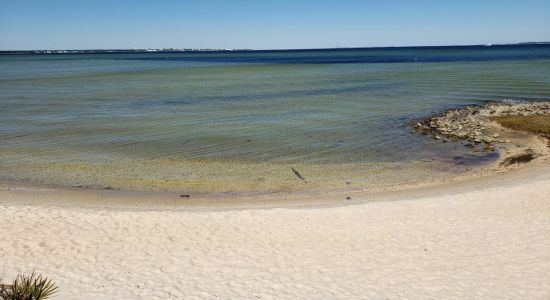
(251, 121)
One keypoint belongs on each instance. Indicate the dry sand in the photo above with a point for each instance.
(487, 238)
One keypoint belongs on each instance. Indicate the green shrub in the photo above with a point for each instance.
(31, 287)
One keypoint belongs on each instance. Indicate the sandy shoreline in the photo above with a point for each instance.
(485, 235)
(490, 240)
(487, 238)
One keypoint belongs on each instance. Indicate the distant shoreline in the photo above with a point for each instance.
(200, 50)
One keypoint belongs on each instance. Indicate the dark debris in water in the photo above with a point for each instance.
(518, 159)
(298, 174)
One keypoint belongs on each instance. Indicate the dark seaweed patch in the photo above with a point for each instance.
(518, 159)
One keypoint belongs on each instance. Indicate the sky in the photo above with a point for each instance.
(281, 24)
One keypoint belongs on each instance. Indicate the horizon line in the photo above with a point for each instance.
(271, 49)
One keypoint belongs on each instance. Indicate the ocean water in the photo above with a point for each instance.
(241, 121)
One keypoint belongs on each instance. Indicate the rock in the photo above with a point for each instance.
(488, 147)
(470, 122)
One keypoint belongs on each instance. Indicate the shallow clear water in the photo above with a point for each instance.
(239, 121)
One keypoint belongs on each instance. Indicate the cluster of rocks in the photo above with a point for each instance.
(470, 123)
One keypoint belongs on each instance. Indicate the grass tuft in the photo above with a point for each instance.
(28, 287)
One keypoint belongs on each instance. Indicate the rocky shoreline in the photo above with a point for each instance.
(470, 125)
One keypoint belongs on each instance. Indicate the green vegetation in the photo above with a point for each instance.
(31, 287)
(537, 124)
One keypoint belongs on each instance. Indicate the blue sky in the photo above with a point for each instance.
(61, 24)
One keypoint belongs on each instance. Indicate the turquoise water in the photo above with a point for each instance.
(239, 121)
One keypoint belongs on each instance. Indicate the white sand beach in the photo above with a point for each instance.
(486, 238)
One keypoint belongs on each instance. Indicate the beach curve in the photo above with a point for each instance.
(485, 238)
